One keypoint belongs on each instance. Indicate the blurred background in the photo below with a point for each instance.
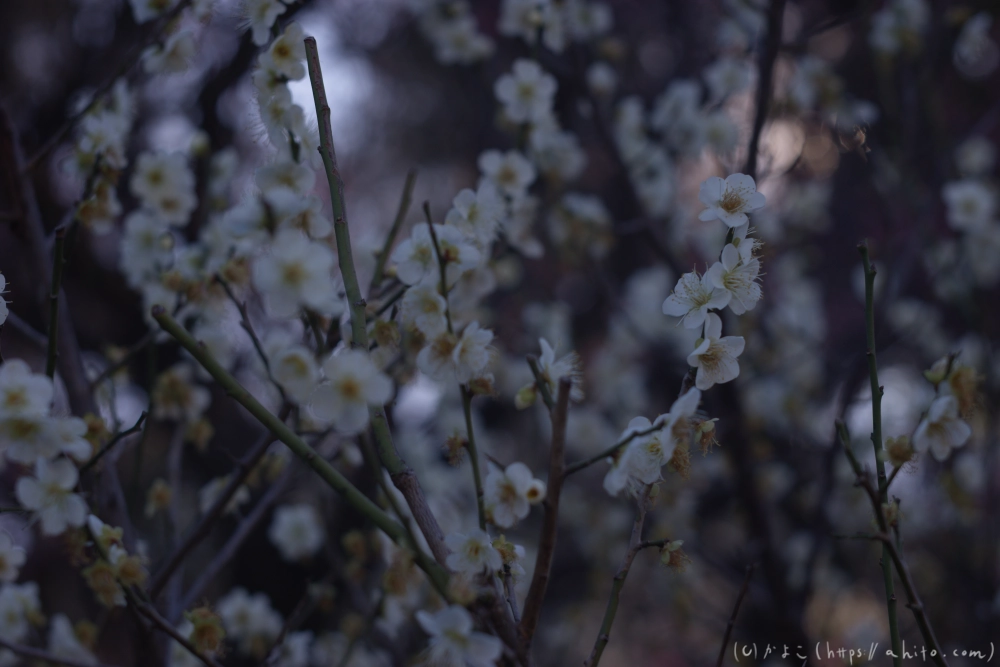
(860, 141)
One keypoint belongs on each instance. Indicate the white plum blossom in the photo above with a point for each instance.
(640, 461)
(176, 396)
(416, 259)
(454, 643)
(12, 557)
(249, 619)
(527, 92)
(693, 297)
(287, 174)
(715, 356)
(509, 493)
(477, 214)
(510, 172)
(353, 384)
(424, 307)
(602, 79)
(971, 204)
(472, 552)
(297, 273)
(552, 370)
(729, 200)
(296, 531)
(175, 55)
(941, 430)
(737, 274)
(285, 55)
(976, 54)
(165, 185)
(260, 15)
(293, 366)
(23, 392)
(460, 359)
(50, 494)
(63, 643)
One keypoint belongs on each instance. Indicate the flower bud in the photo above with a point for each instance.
(525, 396)
(208, 633)
(158, 497)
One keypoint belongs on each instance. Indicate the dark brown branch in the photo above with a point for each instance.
(550, 522)
(765, 72)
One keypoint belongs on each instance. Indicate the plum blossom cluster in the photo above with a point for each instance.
(732, 281)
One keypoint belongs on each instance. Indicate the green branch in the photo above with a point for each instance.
(281, 431)
(383, 256)
(876, 436)
(402, 475)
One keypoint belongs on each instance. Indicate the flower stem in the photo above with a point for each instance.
(634, 546)
(383, 256)
(876, 436)
(477, 477)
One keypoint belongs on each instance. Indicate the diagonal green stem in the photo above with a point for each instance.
(281, 431)
(402, 475)
(883, 484)
(383, 255)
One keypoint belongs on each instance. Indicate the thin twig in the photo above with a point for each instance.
(165, 626)
(130, 61)
(235, 541)
(890, 550)
(540, 382)
(383, 255)
(135, 349)
(634, 546)
(45, 656)
(765, 72)
(333, 477)
(876, 438)
(470, 444)
(247, 325)
(401, 474)
(550, 522)
(218, 509)
(92, 461)
(508, 585)
(736, 610)
(610, 451)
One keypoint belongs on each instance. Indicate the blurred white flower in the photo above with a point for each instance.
(12, 557)
(62, 642)
(454, 643)
(509, 493)
(941, 430)
(173, 56)
(297, 273)
(510, 172)
(416, 259)
(971, 204)
(296, 531)
(472, 552)
(527, 92)
(353, 384)
(165, 185)
(50, 494)
(147, 10)
(424, 307)
(259, 16)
